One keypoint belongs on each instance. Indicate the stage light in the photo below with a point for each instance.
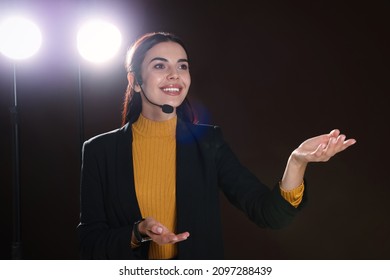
(20, 38)
(98, 41)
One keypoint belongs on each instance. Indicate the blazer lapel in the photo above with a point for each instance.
(189, 175)
(125, 175)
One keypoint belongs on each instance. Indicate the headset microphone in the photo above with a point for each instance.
(167, 109)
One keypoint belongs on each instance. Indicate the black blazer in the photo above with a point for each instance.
(205, 165)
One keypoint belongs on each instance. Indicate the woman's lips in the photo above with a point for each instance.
(172, 90)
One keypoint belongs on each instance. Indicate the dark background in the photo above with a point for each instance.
(270, 73)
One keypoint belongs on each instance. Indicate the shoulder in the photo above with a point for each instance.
(107, 138)
(206, 133)
(209, 128)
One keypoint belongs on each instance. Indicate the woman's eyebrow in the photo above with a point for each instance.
(166, 60)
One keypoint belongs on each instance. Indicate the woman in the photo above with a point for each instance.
(150, 189)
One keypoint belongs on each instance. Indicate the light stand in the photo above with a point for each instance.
(19, 39)
(16, 240)
(81, 111)
(97, 42)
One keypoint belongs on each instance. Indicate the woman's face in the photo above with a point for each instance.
(165, 78)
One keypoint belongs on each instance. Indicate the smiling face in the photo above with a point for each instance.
(165, 79)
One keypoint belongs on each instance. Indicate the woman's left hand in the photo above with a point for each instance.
(321, 148)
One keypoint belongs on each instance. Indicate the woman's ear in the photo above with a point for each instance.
(132, 82)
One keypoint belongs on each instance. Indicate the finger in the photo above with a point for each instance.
(320, 150)
(349, 142)
(152, 227)
(345, 144)
(156, 229)
(331, 146)
(183, 236)
(334, 133)
(339, 144)
(179, 237)
(169, 238)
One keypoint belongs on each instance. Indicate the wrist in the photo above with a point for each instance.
(296, 162)
(139, 234)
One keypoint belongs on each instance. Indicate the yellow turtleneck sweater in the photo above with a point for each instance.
(154, 159)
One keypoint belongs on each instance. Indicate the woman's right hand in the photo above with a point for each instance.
(159, 233)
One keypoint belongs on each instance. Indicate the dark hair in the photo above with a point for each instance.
(132, 105)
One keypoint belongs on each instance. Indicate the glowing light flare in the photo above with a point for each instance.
(98, 41)
(20, 38)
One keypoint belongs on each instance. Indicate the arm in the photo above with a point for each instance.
(101, 237)
(108, 237)
(264, 206)
(268, 208)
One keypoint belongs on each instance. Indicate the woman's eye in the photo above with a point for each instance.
(183, 67)
(159, 66)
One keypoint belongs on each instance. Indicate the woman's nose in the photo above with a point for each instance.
(173, 74)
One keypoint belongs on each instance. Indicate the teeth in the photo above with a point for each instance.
(171, 89)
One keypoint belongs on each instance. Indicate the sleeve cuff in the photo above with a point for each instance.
(294, 197)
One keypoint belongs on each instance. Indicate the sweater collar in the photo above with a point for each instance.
(149, 128)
